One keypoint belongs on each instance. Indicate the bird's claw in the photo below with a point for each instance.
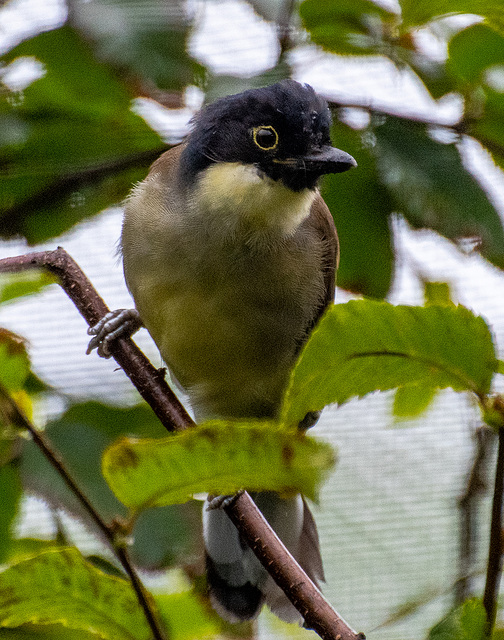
(121, 323)
(221, 502)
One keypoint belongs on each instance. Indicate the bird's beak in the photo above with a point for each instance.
(328, 160)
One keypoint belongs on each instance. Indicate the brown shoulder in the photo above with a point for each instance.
(167, 161)
(321, 221)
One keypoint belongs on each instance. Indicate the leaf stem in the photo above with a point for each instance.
(15, 416)
(494, 567)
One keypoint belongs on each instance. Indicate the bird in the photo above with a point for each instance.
(230, 254)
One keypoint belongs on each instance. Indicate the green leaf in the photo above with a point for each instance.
(412, 400)
(152, 49)
(489, 129)
(81, 435)
(60, 587)
(360, 206)
(472, 51)
(10, 496)
(22, 284)
(437, 293)
(78, 145)
(467, 622)
(346, 26)
(365, 345)
(44, 632)
(434, 190)
(217, 457)
(14, 363)
(186, 616)
(415, 14)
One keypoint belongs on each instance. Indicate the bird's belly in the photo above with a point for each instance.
(230, 347)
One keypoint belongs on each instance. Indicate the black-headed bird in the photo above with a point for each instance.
(230, 254)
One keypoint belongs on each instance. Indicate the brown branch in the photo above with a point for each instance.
(16, 417)
(250, 522)
(468, 506)
(318, 614)
(148, 380)
(494, 566)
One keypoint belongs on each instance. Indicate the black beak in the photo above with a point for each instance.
(328, 160)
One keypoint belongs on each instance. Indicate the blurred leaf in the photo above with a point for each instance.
(14, 363)
(22, 284)
(80, 146)
(81, 435)
(166, 536)
(146, 42)
(467, 622)
(415, 14)
(472, 51)
(365, 345)
(217, 457)
(438, 293)
(347, 26)
(10, 496)
(44, 632)
(23, 548)
(60, 587)
(360, 205)
(271, 10)
(217, 86)
(489, 129)
(412, 400)
(186, 617)
(434, 190)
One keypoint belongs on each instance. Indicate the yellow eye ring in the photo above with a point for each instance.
(265, 132)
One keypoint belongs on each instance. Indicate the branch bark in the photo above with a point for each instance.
(15, 416)
(494, 566)
(253, 527)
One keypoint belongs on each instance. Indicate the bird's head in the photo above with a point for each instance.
(282, 131)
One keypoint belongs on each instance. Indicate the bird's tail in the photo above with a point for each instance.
(237, 582)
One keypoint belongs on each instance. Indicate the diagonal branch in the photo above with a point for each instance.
(253, 528)
(15, 416)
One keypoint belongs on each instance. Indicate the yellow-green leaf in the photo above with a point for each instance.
(60, 587)
(365, 345)
(217, 457)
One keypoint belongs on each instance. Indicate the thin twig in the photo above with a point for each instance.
(467, 504)
(250, 522)
(15, 416)
(494, 567)
(148, 380)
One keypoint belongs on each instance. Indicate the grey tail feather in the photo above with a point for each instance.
(234, 604)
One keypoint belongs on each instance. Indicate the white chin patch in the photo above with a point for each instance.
(239, 193)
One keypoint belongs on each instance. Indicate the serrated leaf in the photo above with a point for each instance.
(467, 622)
(415, 13)
(217, 457)
(60, 587)
(412, 400)
(433, 189)
(364, 346)
(161, 537)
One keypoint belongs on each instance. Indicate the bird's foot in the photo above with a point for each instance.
(121, 323)
(221, 502)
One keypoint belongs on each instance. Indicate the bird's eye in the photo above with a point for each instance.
(265, 137)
